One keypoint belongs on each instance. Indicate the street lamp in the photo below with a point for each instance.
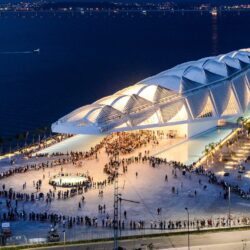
(188, 228)
(64, 238)
(229, 206)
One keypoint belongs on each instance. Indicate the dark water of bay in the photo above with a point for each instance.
(85, 57)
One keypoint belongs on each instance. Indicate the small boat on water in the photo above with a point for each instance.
(214, 12)
(36, 50)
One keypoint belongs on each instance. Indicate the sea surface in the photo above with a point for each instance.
(85, 57)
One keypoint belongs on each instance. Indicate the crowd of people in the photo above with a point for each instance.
(118, 148)
(11, 196)
(106, 221)
(125, 143)
(212, 178)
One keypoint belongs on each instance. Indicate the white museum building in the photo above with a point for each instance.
(185, 100)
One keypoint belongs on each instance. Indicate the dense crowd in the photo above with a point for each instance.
(125, 143)
(212, 178)
(125, 224)
(118, 148)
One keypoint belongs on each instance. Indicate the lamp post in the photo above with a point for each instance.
(64, 238)
(229, 206)
(188, 228)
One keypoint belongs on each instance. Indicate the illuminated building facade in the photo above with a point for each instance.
(187, 99)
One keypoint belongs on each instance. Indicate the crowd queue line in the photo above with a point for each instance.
(116, 146)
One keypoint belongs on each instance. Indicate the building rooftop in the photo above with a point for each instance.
(186, 92)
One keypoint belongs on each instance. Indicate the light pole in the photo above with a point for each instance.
(116, 207)
(64, 238)
(188, 228)
(229, 206)
(120, 199)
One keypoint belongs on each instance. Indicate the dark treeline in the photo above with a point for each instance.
(22, 139)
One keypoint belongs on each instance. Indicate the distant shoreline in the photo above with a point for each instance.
(123, 11)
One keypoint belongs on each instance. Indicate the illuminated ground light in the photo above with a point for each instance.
(242, 151)
(229, 167)
(221, 173)
(68, 180)
(247, 174)
(239, 155)
(231, 163)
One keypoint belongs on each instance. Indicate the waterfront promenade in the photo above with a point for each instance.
(161, 187)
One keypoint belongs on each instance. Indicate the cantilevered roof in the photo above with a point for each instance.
(158, 98)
